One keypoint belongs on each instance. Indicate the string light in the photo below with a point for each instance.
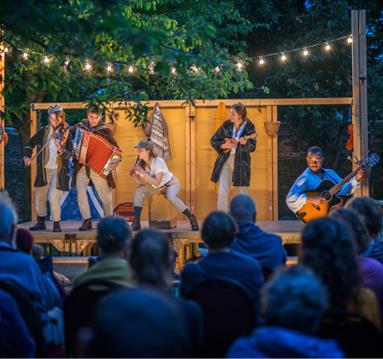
(47, 60)
(327, 47)
(66, 63)
(173, 70)
(131, 69)
(151, 68)
(305, 52)
(283, 57)
(25, 55)
(109, 68)
(88, 66)
(239, 65)
(261, 61)
(349, 40)
(195, 69)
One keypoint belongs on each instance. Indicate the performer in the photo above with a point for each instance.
(234, 141)
(312, 177)
(82, 174)
(153, 177)
(52, 178)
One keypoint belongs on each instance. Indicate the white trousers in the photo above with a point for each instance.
(103, 190)
(171, 191)
(49, 193)
(225, 182)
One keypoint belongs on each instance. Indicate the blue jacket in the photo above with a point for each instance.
(230, 266)
(265, 247)
(275, 342)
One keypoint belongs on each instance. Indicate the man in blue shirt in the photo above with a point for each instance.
(251, 240)
(312, 177)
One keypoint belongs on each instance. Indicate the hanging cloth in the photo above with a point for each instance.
(221, 115)
(157, 131)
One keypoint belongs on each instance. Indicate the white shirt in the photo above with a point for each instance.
(51, 164)
(159, 165)
(237, 136)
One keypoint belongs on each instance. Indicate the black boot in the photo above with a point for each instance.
(136, 225)
(87, 225)
(192, 219)
(40, 225)
(56, 227)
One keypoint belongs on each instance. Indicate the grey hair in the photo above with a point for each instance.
(8, 218)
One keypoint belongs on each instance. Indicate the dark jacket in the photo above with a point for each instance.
(39, 139)
(276, 342)
(265, 247)
(102, 130)
(242, 165)
(228, 266)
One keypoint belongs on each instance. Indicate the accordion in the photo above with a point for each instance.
(95, 151)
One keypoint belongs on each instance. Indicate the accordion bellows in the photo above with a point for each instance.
(95, 151)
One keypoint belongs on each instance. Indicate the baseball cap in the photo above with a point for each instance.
(54, 109)
(147, 144)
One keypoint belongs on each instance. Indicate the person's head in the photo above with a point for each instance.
(370, 213)
(218, 230)
(242, 208)
(8, 220)
(94, 115)
(238, 113)
(145, 150)
(355, 225)
(56, 115)
(24, 240)
(37, 252)
(137, 323)
(151, 259)
(328, 249)
(295, 299)
(113, 236)
(315, 158)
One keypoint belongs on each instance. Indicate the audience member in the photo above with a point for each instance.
(24, 240)
(292, 304)
(113, 236)
(139, 323)
(218, 232)
(371, 270)
(152, 261)
(328, 249)
(372, 217)
(15, 340)
(251, 240)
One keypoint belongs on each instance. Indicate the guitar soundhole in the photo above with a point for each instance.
(326, 195)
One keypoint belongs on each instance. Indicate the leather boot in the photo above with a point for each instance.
(87, 225)
(40, 225)
(136, 225)
(192, 219)
(56, 227)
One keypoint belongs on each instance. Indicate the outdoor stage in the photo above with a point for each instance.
(75, 243)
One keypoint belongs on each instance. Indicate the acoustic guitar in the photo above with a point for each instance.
(327, 191)
(236, 140)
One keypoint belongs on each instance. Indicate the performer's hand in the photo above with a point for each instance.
(139, 170)
(58, 145)
(242, 141)
(360, 174)
(228, 145)
(315, 201)
(27, 161)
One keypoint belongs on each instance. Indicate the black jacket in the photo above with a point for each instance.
(39, 139)
(242, 165)
(102, 130)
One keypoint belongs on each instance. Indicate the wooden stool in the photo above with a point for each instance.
(162, 214)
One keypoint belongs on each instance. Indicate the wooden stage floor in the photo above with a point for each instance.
(73, 242)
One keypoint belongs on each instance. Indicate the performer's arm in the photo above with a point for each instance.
(297, 197)
(156, 180)
(37, 138)
(248, 145)
(66, 152)
(218, 139)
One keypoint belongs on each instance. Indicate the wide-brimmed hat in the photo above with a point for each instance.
(147, 144)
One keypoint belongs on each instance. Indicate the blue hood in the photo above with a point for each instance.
(274, 342)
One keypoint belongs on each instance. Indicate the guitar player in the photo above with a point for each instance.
(312, 177)
(234, 141)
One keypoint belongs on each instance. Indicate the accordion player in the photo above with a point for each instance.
(95, 151)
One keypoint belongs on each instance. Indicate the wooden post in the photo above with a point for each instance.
(2, 106)
(359, 91)
(33, 130)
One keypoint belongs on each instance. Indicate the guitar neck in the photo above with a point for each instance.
(338, 186)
